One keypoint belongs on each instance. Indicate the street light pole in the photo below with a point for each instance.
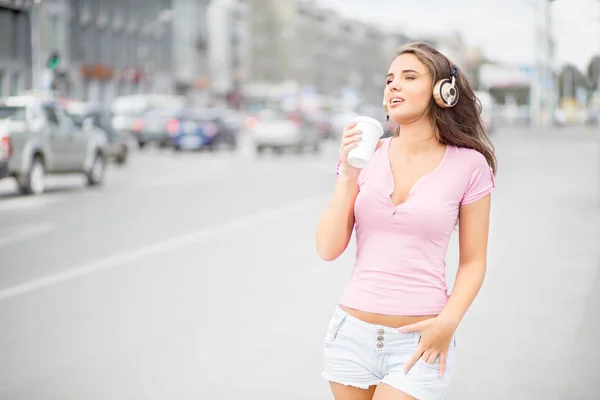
(550, 84)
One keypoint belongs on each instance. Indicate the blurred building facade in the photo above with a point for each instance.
(317, 50)
(105, 48)
(272, 51)
(206, 49)
(228, 49)
(15, 47)
(190, 46)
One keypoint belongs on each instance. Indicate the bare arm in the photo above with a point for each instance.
(436, 333)
(473, 239)
(337, 222)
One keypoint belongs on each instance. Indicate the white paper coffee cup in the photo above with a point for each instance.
(372, 130)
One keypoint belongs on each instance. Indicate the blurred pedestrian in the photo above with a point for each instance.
(392, 336)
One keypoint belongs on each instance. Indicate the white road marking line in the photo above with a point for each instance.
(27, 232)
(27, 203)
(131, 256)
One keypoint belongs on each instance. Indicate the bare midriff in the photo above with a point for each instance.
(392, 321)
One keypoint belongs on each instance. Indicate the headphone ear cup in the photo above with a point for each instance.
(445, 93)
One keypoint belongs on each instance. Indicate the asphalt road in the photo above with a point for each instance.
(194, 276)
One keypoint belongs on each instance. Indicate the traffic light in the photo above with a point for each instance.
(53, 60)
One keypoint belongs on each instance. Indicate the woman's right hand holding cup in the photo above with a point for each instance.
(350, 139)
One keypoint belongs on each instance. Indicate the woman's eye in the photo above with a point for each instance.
(388, 81)
(410, 78)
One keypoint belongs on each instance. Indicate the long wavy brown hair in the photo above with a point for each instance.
(461, 125)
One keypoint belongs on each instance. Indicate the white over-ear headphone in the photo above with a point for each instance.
(445, 92)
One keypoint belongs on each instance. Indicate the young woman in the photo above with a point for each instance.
(392, 335)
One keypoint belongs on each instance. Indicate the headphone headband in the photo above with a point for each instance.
(453, 71)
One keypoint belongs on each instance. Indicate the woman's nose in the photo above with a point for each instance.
(394, 86)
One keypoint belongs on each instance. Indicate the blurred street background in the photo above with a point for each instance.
(163, 165)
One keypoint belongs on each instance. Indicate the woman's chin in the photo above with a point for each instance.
(403, 118)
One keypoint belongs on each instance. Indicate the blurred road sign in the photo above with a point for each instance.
(527, 70)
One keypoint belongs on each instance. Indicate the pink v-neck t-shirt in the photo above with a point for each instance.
(400, 266)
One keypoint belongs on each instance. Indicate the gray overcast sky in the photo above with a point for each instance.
(505, 29)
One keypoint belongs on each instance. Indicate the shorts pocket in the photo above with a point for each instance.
(334, 326)
(436, 364)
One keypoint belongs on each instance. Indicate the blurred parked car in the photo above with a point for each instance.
(146, 116)
(279, 130)
(201, 128)
(39, 137)
(340, 119)
(154, 126)
(322, 122)
(126, 110)
(118, 140)
(233, 119)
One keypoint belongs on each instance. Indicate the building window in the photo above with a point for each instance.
(15, 34)
(15, 84)
(133, 49)
(75, 40)
(118, 49)
(96, 44)
(53, 32)
(6, 32)
(105, 44)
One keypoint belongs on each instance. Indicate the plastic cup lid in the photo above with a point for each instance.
(371, 121)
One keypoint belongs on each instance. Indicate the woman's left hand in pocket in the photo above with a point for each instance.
(436, 335)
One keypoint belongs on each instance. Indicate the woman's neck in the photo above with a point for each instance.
(417, 137)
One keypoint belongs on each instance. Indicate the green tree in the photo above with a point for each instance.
(593, 72)
(569, 79)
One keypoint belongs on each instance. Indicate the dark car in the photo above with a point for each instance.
(201, 128)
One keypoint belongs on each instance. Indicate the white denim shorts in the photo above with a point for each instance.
(360, 354)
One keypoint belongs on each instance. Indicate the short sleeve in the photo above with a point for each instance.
(481, 180)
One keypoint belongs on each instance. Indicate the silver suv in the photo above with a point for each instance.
(37, 137)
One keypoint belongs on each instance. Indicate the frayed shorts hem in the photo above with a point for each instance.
(356, 385)
(404, 389)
